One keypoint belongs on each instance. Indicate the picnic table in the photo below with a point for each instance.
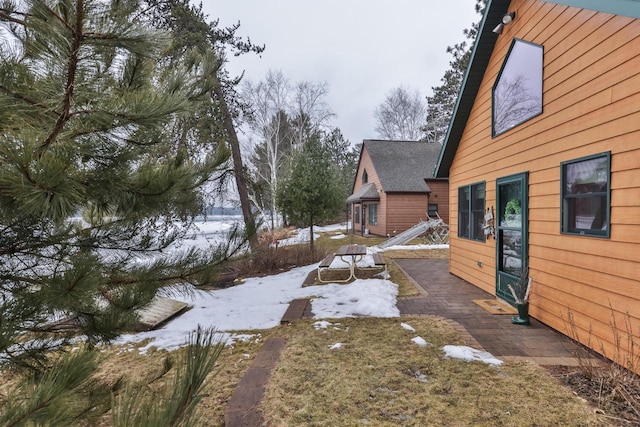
(350, 255)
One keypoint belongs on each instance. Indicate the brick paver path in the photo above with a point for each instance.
(450, 297)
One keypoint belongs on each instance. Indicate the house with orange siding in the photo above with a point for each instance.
(394, 189)
(543, 160)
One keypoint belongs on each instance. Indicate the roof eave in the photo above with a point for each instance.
(362, 199)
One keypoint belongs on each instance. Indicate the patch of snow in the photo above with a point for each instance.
(383, 275)
(322, 324)
(336, 346)
(470, 354)
(303, 235)
(407, 326)
(372, 297)
(420, 341)
(260, 303)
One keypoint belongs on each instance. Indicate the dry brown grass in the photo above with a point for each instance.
(127, 362)
(379, 377)
(418, 253)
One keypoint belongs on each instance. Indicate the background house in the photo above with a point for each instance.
(548, 124)
(391, 191)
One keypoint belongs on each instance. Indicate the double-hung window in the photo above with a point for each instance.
(586, 199)
(471, 200)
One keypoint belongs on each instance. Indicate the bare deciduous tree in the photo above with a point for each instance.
(283, 115)
(309, 110)
(401, 115)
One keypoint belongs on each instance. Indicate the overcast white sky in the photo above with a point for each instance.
(362, 48)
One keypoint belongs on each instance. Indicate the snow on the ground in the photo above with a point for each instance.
(470, 354)
(408, 327)
(420, 341)
(260, 303)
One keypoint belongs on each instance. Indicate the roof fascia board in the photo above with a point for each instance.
(617, 7)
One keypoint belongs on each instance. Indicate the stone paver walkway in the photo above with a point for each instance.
(243, 409)
(450, 297)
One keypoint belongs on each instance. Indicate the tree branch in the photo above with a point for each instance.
(72, 67)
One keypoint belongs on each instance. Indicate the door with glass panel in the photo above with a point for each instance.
(511, 231)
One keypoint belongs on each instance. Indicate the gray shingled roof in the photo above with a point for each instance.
(402, 166)
(367, 192)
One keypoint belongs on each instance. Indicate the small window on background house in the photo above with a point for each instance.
(586, 191)
(373, 214)
(356, 214)
(432, 210)
(517, 92)
(471, 200)
(365, 177)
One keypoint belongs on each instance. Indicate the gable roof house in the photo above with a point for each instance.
(393, 189)
(543, 150)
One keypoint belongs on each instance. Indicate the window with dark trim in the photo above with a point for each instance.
(517, 92)
(432, 210)
(373, 214)
(586, 195)
(356, 214)
(365, 177)
(471, 200)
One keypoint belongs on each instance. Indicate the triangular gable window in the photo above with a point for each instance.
(517, 93)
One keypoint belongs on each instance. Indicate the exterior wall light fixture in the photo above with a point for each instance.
(506, 20)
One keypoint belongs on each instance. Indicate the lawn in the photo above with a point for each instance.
(378, 376)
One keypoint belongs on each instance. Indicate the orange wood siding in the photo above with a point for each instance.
(591, 104)
(404, 210)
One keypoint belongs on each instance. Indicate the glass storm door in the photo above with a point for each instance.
(511, 232)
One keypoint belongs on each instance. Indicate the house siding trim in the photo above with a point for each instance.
(629, 8)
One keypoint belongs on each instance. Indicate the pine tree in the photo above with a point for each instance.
(311, 193)
(441, 104)
(92, 184)
(344, 157)
(206, 45)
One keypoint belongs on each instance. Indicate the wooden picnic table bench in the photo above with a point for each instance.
(351, 255)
